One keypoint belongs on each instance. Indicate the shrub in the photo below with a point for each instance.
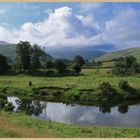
(76, 67)
(126, 66)
(123, 85)
(60, 66)
(107, 92)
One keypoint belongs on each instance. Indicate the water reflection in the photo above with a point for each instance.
(104, 108)
(123, 108)
(30, 107)
(104, 115)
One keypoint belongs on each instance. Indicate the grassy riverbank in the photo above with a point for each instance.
(86, 87)
(19, 125)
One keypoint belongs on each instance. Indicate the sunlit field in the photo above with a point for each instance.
(89, 79)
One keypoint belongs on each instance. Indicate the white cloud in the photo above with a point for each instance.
(64, 28)
(124, 28)
(61, 28)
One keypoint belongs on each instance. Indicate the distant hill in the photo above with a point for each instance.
(9, 50)
(122, 53)
(70, 52)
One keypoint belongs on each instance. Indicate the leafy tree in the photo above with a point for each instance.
(79, 60)
(36, 53)
(3, 64)
(49, 64)
(22, 58)
(76, 67)
(27, 57)
(60, 66)
(98, 65)
(126, 66)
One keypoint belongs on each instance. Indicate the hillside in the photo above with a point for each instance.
(9, 50)
(70, 52)
(122, 53)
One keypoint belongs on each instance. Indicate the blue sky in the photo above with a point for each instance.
(67, 24)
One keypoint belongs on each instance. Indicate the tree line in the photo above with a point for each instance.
(31, 58)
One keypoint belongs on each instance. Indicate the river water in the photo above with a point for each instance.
(124, 115)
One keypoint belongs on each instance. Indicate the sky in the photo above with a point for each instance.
(71, 24)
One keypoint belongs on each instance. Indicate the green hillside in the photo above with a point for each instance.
(9, 51)
(122, 53)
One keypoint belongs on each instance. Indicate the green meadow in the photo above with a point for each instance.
(87, 80)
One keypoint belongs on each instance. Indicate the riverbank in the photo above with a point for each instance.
(20, 125)
(86, 89)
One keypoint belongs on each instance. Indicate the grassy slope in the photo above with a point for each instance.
(19, 125)
(122, 53)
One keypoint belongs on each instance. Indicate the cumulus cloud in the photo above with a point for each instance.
(64, 28)
(61, 28)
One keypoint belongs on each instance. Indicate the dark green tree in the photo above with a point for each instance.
(49, 64)
(35, 54)
(22, 58)
(79, 60)
(3, 64)
(126, 66)
(76, 67)
(60, 66)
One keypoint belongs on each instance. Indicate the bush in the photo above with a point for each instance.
(76, 67)
(60, 66)
(107, 92)
(123, 85)
(126, 66)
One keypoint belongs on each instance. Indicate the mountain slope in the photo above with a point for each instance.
(9, 50)
(122, 53)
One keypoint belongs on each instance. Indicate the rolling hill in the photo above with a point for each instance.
(87, 52)
(69, 53)
(9, 50)
(122, 53)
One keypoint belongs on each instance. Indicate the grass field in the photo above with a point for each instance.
(88, 80)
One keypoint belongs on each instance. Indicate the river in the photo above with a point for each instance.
(121, 116)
